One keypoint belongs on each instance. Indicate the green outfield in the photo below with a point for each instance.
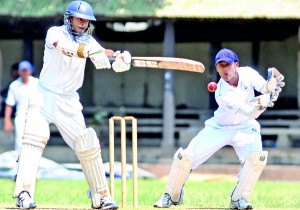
(57, 194)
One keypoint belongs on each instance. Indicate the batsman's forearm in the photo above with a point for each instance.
(109, 52)
(70, 48)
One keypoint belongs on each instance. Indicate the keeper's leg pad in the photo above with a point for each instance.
(36, 136)
(249, 175)
(88, 151)
(180, 171)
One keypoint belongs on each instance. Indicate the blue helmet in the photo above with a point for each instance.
(80, 9)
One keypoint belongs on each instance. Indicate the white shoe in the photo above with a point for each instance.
(25, 201)
(165, 201)
(106, 202)
(240, 204)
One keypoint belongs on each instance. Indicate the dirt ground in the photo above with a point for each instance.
(225, 171)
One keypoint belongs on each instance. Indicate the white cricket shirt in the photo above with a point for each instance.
(18, 94)
(234, 102)
(62, 74)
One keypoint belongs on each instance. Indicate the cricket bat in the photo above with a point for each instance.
(171, 63)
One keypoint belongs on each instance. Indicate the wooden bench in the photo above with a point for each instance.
(279, 123)
(283, 135)
(150, 121)
(280, 114)
(283, 124)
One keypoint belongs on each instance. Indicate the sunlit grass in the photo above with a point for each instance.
(59, 194)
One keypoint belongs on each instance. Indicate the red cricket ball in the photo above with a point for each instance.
(212, 86)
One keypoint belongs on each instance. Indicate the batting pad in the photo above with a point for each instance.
(30, 155)
(249, 175)
(180, 171)
(87, 149)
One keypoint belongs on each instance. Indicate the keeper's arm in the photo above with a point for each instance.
(230, 102)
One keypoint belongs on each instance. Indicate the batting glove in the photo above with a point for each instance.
(122, 61)
(99, 59)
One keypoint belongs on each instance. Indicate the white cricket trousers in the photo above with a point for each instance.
(65, 111)
(244, 138)
(19, 131)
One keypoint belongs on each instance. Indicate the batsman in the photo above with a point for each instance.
(56, 101)
(234, 123)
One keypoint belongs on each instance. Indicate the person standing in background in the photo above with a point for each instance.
(3, 93)
(18, 93)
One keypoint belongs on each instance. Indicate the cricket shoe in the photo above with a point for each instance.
(17, 202)
(165, 201)
(107, 203)
(240, 204)
(25, 201)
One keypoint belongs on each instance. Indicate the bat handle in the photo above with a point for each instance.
(111, 59)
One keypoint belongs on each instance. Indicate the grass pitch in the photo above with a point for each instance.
(61, 194)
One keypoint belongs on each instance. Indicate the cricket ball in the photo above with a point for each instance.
(212, 86)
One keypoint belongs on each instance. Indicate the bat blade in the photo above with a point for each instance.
(168, 63)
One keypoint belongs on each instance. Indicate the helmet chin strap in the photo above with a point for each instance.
(76, 36)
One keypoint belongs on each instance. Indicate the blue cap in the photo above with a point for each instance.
(25, 65)
(226, 55)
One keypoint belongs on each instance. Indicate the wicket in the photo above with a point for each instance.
(123, 157)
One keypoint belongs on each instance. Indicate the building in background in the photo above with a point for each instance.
(258, 31)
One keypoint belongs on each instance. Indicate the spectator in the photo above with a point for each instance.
(14, 75)
(18, 93)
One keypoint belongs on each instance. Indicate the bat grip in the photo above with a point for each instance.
(111, 59)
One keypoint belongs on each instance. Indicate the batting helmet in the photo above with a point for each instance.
(80, 9)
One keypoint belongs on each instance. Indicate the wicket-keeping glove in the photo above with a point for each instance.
(274, 80)
(263, 101)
